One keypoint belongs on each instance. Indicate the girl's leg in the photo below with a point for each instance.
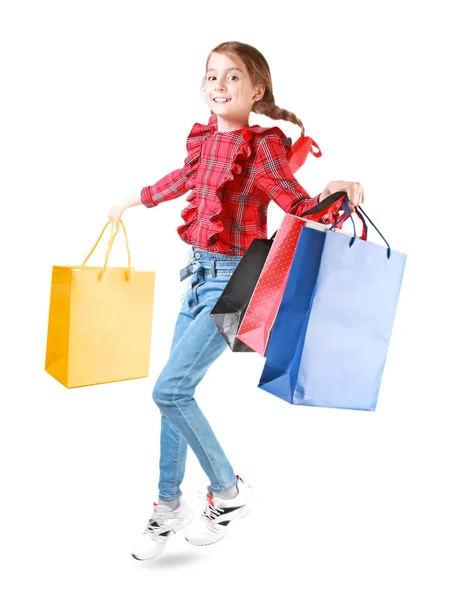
(198, 344)
(173, 446)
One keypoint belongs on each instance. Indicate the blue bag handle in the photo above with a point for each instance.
(360, 212)
(346, 214)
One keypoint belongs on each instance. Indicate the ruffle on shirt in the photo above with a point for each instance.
(198, 135)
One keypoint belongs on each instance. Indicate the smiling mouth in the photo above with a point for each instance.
(221, 101)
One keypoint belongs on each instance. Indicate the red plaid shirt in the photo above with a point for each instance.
(232, 175)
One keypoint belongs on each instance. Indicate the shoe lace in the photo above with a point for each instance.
(209, 512)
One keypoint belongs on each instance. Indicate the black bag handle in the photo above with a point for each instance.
(324, 204)
(321, 206)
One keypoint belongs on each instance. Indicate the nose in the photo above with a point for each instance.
(218, 85)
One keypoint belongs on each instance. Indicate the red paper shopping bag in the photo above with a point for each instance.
(265, 301)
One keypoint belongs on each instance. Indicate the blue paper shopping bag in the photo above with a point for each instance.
(329, 342)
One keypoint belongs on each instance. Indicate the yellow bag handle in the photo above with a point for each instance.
(113, 234)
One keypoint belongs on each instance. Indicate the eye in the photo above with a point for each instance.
(210, 77)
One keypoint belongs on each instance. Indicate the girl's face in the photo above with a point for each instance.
(228, 79)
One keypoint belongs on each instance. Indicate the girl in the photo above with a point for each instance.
(233, 171)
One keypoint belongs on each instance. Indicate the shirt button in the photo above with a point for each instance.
(197, 255)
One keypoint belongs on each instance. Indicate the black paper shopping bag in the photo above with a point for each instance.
(230, 308)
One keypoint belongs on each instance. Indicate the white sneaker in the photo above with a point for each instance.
(163, 522)
(219, 513)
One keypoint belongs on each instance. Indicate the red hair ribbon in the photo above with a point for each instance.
(300, 150)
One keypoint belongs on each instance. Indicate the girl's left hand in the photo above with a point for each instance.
(353, 190)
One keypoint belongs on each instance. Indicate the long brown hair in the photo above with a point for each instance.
(260, 74)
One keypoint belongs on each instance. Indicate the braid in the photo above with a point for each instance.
(267, 106)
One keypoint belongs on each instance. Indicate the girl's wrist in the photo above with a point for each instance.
(133, 201)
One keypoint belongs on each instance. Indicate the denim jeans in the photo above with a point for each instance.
(196, 344)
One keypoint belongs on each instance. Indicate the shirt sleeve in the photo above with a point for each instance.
(173, 185)
(274, 176)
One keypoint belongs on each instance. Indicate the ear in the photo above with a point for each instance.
(259, 92)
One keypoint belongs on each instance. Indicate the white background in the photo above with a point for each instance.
(97, 101)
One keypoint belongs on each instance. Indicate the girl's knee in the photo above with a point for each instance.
(158, 394)
(163, 392)
(169, 391)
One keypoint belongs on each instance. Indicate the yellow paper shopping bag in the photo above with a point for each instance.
(100, 321)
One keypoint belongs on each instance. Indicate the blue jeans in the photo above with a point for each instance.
(196, 344)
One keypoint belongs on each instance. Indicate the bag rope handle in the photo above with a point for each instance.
(113, 234)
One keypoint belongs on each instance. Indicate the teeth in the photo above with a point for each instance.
(221, 99)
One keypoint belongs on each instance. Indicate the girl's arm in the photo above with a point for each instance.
(274, 176)
(172, 185)
(169, 187)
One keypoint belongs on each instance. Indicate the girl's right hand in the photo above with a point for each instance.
(115, 213)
